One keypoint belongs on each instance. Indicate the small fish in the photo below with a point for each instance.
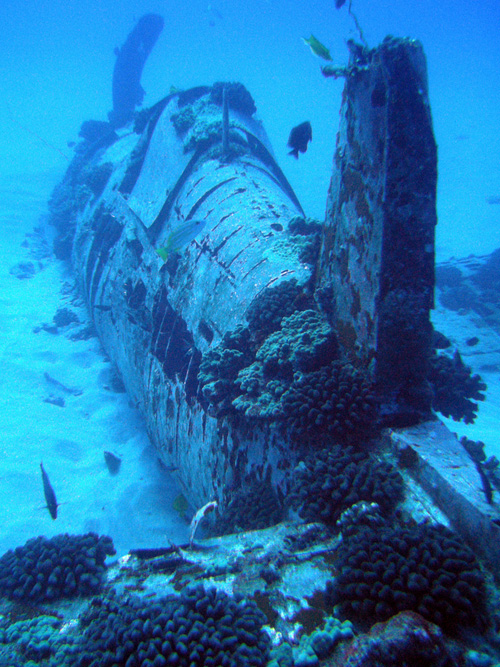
(113, 462)
(48, 492)
(317, 47)
(180, 505)
(339, 3)
(180, 237)
(299, 137)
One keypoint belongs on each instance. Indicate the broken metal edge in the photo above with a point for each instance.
(436, 460)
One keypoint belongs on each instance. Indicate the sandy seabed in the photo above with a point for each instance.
(134, 506)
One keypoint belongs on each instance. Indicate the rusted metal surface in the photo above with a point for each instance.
(156, 319)
(439, 463)
(378, 251)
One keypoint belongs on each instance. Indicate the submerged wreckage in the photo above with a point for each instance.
(277, 360)
(245, 331)
(248, 334)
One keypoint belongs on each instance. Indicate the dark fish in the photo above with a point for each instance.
(130, 60)
(487, 488)
(299, 137)
(113, 462)
(48, 492)
(339, 3)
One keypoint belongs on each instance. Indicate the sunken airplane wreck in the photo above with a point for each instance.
(248, 335)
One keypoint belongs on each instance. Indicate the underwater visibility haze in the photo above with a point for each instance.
(250, 333)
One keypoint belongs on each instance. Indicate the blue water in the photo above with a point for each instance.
(57, 58)
(56, 65)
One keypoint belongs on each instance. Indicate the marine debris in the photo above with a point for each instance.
(196, 520)
(284, 367)
(276, 329)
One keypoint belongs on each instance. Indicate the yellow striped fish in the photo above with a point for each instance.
(317, 47)
(180, 237)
